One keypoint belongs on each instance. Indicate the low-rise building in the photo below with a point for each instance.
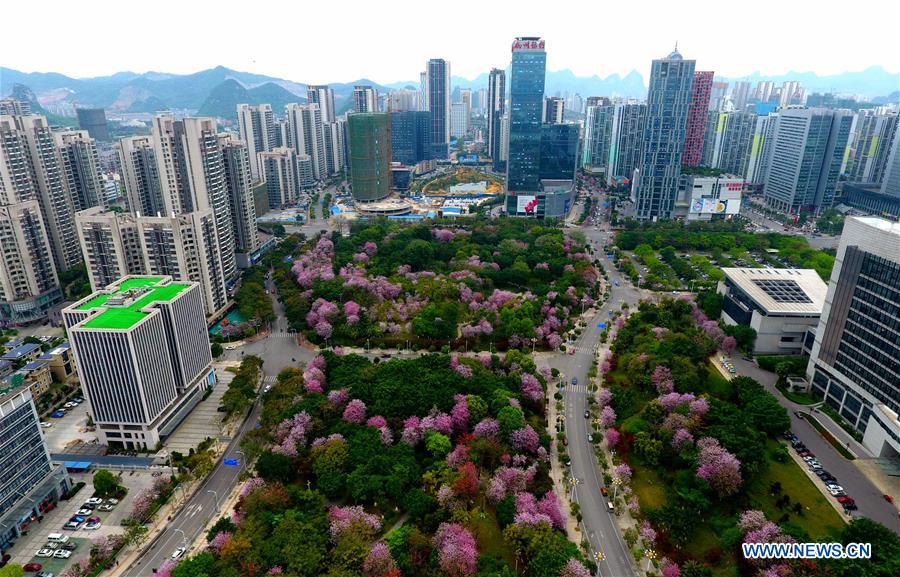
(38, 376)
(61, 362)
(30, 483)
(779, 304)
(24, 353)
(708, 197)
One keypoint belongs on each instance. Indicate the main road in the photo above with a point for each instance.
(599, 524)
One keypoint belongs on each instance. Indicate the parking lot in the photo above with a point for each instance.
(25, 549)
(69, 430)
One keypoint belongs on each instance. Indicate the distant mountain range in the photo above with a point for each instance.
(218, 90)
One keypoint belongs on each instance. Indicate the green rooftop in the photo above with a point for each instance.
(124, 317)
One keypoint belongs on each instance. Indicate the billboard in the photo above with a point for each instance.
(526, 204)
(710, 206)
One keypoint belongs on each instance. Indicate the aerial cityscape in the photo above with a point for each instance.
(532, 322)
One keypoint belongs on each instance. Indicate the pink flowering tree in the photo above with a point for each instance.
(459, 414)
(219, 541)
(531, 387)
(718, 467)
(623, 473)
(343, 518)
(355, 412)
(488, 428)
(668, 568)
(604, 397)
(574, 568)
(607, 417)
(612, 437)
(379, 561)
(526, 439)
(457, 552)
(729, 345)
(662, 380)
(648, 534)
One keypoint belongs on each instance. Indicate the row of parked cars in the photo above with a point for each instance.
(830, 481)
(61, 411)
(85, 518)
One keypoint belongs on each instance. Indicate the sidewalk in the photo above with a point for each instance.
(840, 434)
(557, 474)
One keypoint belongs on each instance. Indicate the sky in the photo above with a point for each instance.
(341, 41)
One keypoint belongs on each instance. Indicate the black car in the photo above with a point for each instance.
(587, 414)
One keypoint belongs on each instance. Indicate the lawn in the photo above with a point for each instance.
(650, 488)
(490, 536)
(819, 518)
(799, 398)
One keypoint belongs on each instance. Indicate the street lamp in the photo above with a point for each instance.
(574, 482)
(616, 482)
(216, 495)
(650, 554)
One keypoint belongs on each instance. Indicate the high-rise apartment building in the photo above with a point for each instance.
(526, 97)
(182, 246)
(403, 100)
(334, 139)
(718, 94)
(13, 107)
(286, 175)
(236, 156)
(459, 119)
(32, 484)
(365, 98)
(553, 110)
(504, 139)
(805, 162)
(81, 164)
(732, 149)
(595, 154)
(143, 357)
(496, 108)
(410, 137)
(870, 146)
(29, 287)
(668, 101)
(437, 100)
(764, 90)
(308, 135)
(791, 93)
(322, 95)
(855, 361)
(760, 149)
(257, 129)
(94, 121)
(695, 130)
(192, 176)
(369, 134)
(890, 185)
(137, 161)
(740, 95)
(626, 140)
(31, 168)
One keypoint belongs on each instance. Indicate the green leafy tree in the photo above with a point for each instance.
(105, 483)
(216, 350)
(885, 550)
(275, 467)
(437, 444)
(510, 419)
(201, 565)
(135, 534)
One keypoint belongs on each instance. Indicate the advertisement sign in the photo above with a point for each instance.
(709, 206)
(526, 204)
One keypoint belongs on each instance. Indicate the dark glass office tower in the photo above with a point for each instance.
(526, 97)
(559, 151)
(437, 98)
(410, 137)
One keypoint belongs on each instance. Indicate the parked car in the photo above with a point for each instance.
(85, 511)
(91, 526)
(105, 507)
(113, 502)
(46, 424)
(71, 526)
(44, 553)
(31, 567)
(77, 518)
(178, 553)
(587, 414)
(44, 574)
(845, 499)
(62, 554)
(57, 414)
(850, 507)
(94, 501)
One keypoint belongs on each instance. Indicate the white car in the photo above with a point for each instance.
(62, 554)
(46, 424)
(70, 405)
(45, 553)
(178, 553)
(92, 526)
(85, 512)
(113, 502)
(94, 501)
(71, 526)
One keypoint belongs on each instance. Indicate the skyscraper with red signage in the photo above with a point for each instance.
(697, 116)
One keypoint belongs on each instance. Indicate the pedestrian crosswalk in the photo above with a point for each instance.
(283, 335)
(577, 388)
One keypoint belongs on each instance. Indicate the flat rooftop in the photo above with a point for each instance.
(781, 290)
(121, 317)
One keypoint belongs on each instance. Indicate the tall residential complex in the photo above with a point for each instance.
(496, 108)
(31, 168)
(94, 121)
(32, 484)
(870, 146)
(410, 137)
(668, 101)
(369, 134)
(322, 95)
(701, 88)
(526, 97)
(403, 101)
(308, 135)
(334, 139)
(553, 110)
(192, 176)
(806, 155)
(437, 102)
(11, 106)
(143, 357)
(729, 141)
(81, 164)
(760, 146)
(625, 140)
(257, 129)
(740, 95)
(286, 174)
(29, 287)
(718, 94)
(459, 119)
(365, 98)
(597, 133)
(183, 246)
(137, 161)
(891, 183)
(855, 361)
(236, 156)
